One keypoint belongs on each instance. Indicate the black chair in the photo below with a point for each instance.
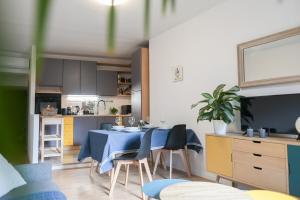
(138, 158)
(176, 143)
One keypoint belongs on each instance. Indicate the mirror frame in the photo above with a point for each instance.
(260, 41)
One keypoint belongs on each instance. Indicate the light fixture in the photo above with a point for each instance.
(112, 2)
(82, 98)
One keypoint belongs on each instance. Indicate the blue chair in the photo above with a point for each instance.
(138, 158)
(106, 126)
(153, 188)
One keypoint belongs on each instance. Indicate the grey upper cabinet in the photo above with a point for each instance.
(51, 73)
(71, 77)
(136, 72)
(88, 78)
(107, 83)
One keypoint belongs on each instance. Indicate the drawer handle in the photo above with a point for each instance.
(257, 155)
(257, 142)
(258, 168)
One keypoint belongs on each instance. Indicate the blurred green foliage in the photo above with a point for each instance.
(111, 29)
(13, 123)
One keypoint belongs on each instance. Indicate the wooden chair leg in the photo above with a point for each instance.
(112, 173)
(115, 176)
(97, 167)
(156, 162)
(171, 160)
(142, 179)
(126, 176)
(188, 158)
(152, 158)
(185, 162)
(147, 170)
(163, 161)
(218, 179)
(92, 166)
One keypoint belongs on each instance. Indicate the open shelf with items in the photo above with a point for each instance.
(52, 152)
(124, 84)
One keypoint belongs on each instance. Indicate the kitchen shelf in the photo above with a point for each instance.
(122, 95)
(120, 83)
(52, 137)
(58, 137)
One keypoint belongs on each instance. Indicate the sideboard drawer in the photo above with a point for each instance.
(263, 177)
(259, 160)
(260, 147)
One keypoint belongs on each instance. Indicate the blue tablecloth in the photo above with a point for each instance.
(103, 145)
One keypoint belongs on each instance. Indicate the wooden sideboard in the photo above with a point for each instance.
(268, 163)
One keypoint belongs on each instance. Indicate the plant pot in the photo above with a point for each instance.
(220, 127)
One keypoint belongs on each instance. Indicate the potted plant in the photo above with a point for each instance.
(113, 111)
(219, 108)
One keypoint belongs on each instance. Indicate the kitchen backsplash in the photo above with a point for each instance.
(116, 102)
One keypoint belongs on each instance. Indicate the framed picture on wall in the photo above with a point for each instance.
(177, 73)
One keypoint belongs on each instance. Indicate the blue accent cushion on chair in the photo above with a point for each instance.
(153, 188)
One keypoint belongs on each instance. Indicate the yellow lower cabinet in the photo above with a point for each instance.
(219, 155)
(68, 131)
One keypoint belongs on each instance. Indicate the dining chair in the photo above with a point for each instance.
(106, 126)
(176, 143)
(137, 158)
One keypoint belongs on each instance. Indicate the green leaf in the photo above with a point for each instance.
(237, 108)
(164, 6)
(173, 5)
(234, 89)
(228, 115)
(111, 33)
(207, 95)
(218, 90)
(146, 18)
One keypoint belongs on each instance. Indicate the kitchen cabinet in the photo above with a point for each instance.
(294, 169)
(107, 83)
(51, 74)
(68, 131)
(140, 85)
(82, 125)
(71, 77)
(88, 78)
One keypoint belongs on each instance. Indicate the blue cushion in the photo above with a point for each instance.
(153, 188)
(43, 190)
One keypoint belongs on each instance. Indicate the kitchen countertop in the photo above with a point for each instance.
(105, 115)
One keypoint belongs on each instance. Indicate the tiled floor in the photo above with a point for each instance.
(78, 185)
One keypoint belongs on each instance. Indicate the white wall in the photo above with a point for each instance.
(206, 48)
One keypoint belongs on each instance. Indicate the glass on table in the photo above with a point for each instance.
(131, 120)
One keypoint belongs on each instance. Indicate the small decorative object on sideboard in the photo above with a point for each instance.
(250, 132)
(262, 133)
(297, 124)
(219, 108)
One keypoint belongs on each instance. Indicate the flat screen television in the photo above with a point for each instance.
(277, 113)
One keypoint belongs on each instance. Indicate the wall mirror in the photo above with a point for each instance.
(270, 60)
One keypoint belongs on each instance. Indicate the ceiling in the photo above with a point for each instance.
(78, 27)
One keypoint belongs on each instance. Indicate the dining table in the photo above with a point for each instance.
(103, 145)
(203, 191)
